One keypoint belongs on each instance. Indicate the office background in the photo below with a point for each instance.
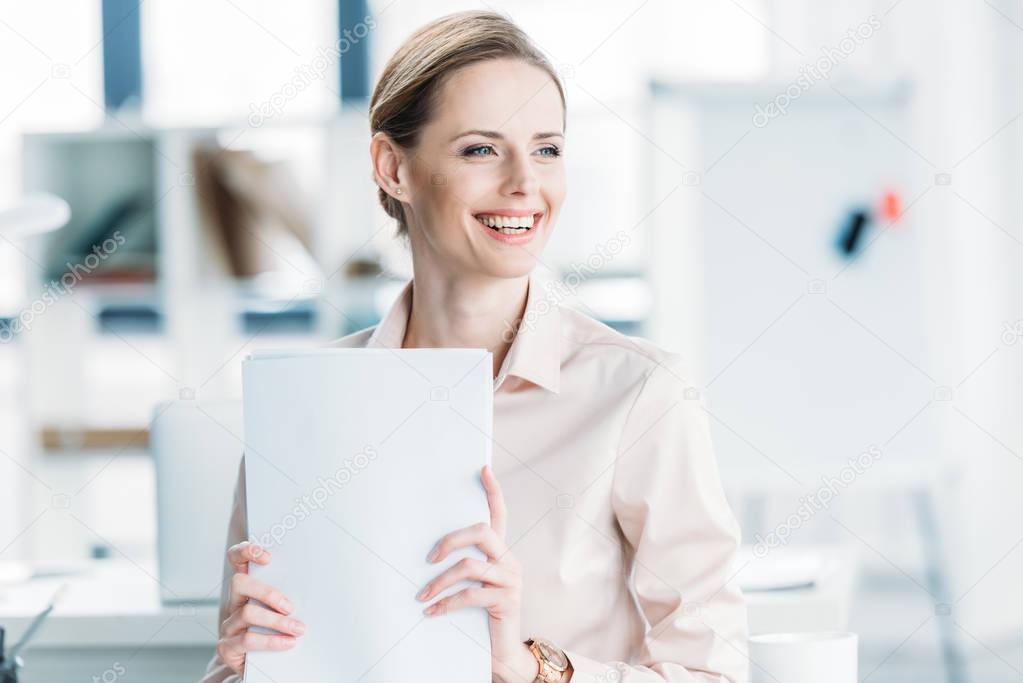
(817, 204)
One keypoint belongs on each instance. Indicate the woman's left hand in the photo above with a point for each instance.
(500, 589)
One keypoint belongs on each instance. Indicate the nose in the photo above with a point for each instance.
(521, 178)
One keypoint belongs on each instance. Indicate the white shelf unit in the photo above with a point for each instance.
(189, 293)
(86, 379)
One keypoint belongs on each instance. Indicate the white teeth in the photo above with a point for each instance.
(515, 223)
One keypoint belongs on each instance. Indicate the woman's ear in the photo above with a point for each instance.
(388, 166)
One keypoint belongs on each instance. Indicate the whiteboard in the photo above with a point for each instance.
(807, 358)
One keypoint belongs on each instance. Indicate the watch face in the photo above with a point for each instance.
(552, 654)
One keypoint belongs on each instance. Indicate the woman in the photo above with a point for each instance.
(610, 544)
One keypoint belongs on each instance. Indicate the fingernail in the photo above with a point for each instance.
(432, 556)
(422, 594)
(286, 605)
(297, 627)
(430, 610)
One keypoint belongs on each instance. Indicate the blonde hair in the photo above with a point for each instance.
(405, 96)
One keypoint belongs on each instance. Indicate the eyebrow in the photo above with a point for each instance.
(498, 136)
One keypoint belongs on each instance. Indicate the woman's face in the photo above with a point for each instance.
(488, 161)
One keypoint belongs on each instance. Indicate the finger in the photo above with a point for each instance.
(468, 569)
(253, 614)
(495, 497)
(481, 535)
(244, 587)
(468, 597)
(240, 554)
(252, 642)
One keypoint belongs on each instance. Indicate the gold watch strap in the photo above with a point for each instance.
(547, 673)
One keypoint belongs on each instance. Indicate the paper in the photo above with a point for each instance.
(357, 462)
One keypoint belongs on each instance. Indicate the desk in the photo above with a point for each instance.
(111, 620)
(823, 607)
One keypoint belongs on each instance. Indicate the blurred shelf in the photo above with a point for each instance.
(138, 308)
(111, 182)
(57, 439)
(126, 307)
(269, 316)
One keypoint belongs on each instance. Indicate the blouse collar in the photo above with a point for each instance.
(535, 353)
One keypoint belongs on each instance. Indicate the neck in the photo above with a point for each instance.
(465, 312)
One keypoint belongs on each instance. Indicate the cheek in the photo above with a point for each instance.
(472, 185)
(555, 188)
(448, 201)
(447, 210)
(440, 189)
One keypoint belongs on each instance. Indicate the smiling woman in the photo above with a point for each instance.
(498, 143)
(610, 546)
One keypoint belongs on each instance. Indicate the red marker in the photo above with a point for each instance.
(891, 207)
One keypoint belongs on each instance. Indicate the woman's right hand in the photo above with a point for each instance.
(235, 638)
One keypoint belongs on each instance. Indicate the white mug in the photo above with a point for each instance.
(828, 657)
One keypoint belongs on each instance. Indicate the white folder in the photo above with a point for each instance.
(357, 462)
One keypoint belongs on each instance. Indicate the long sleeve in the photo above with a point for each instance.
(217, 671)
(682, 537)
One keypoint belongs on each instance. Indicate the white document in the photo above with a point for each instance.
(357, 462)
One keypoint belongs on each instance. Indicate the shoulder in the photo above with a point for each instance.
(621, 358)
(353, 340)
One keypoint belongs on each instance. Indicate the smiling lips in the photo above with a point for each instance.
(513, 225)
(507, 225)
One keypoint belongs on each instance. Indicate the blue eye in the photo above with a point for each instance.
(471, 151)
(551, 151)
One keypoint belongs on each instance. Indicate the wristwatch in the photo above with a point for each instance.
(553, 662)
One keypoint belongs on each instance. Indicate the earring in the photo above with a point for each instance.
(398, 190)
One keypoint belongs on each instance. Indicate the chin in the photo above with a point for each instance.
(511, 270)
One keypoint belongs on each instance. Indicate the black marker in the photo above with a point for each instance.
(852, 234)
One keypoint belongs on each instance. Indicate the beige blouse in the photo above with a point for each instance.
(615, 508)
